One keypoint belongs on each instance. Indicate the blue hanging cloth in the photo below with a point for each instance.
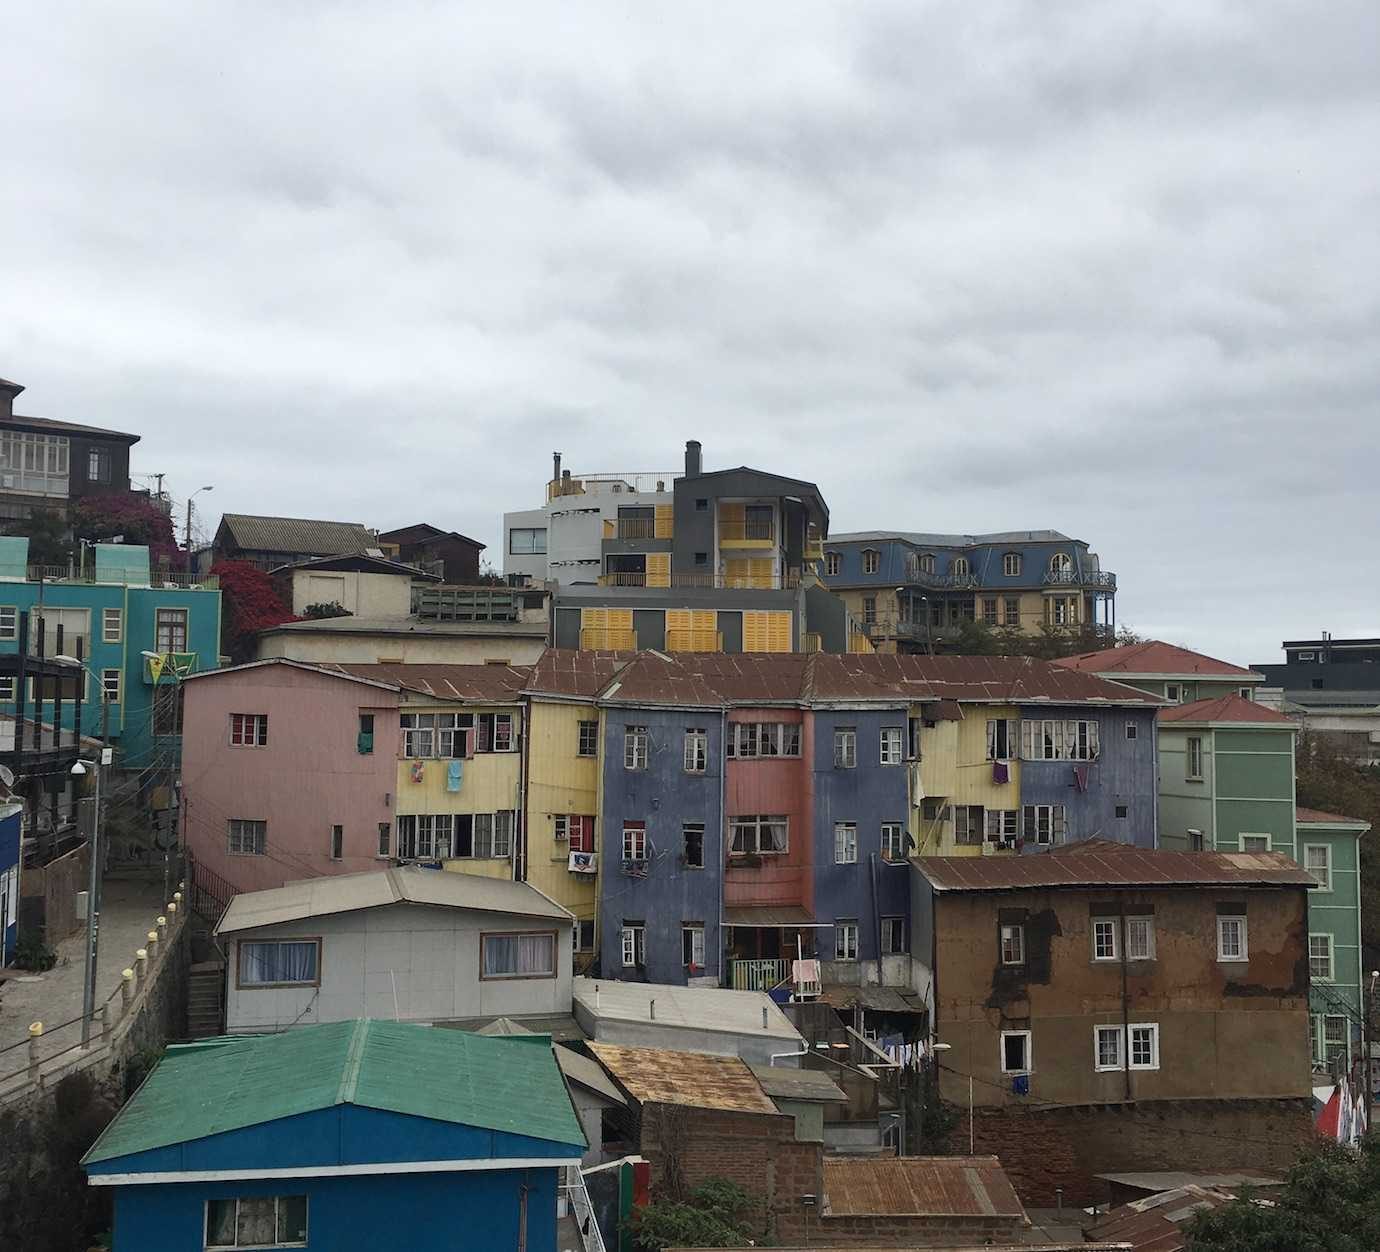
(455, 772)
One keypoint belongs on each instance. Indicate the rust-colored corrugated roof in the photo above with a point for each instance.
(1112, 865)
(693, 1079)
(491, 683)
(567, 672)
(1318, 817)
(1155, 1224)
(919, 1186)
(1229, 708)
(1154, 658)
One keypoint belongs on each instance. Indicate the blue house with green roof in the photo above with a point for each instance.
(363, 1134)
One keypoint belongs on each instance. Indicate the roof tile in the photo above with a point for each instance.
(1154, 658)
(1228, 708)
(294, 535)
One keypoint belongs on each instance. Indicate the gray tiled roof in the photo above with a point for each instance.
(297, 534)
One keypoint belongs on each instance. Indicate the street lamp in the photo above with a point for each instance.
(93, 903)
(188, 532)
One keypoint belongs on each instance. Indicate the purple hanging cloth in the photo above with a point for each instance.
(1080, 777)
(1000, 772)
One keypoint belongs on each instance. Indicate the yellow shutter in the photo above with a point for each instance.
(760, 572)
(594, 619)
(607, 629)
(779, 631)
(738, 572)
(733, 512)
(694, 630)
(766, 631)
(664, 514)
(658, 569)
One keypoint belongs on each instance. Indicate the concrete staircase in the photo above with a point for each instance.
(205, 1000)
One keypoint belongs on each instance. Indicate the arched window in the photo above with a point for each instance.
(832, 563)
(927, 563)
(960, 567)
(1011, 564)
(872, 560)
(1060, 563)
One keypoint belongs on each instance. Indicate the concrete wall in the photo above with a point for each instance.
(403, 961)
(421, 648)
(362, 594)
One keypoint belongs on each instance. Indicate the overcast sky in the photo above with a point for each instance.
(1109, 268)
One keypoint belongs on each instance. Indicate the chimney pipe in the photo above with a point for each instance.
(692, 458)
(555, 466)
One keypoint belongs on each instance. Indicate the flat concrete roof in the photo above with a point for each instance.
(691, 1008)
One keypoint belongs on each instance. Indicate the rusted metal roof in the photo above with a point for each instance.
(1155, 1224)
(483, 683)
(691, 1079)
(566, 672)
(1154, 659)
(1103, 864)
(919, 1186)
(1232, 708)
(1316, 817)
(769, 915)
(879, 999)
(785, 1083)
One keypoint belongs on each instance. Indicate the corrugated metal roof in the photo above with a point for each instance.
(255, 532)
(768, 915)
(362, 562)
(1155, 659)
(798, 1084)
(879, 999)
(410, 626)
(345, 893)
(1318, 817)
(561, 1027)
(1157, 1180)
(484, 683)
(451, 1076)
(699, 1008)
(919, 1186)
(1104, 864)
(692, 1079)
(1232, 708)
(567, 672)
(575, 1067)
(1155, 1224)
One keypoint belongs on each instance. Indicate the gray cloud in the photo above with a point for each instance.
(1099, 266)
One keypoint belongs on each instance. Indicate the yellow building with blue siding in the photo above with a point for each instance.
(962, 759)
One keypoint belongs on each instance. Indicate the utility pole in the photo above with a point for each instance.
(188, 533)
(93, 920)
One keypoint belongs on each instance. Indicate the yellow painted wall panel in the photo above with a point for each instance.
(658, 569)
(954, 768)
(665, 518)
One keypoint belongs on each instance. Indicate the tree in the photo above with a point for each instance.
(714, 1215)
(47, 534)
(1330, 1203)
(134, 516)
(1048, 643)
(249, 604)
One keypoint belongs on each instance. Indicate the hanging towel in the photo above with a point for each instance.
(418, 771)
(1000, 773)
(455, 772)
(1080, 777)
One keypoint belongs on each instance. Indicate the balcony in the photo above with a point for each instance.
(709, 582)
(1096, 579)
(750, 533)
(115, 577)
(939, 582)
(635, 528)
(694, 641)
(598, 639)
(759, 975)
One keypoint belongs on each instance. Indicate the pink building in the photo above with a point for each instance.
(289, 772)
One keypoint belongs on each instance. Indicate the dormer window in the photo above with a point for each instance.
(927, 563)
(1011, 564)
(832, 563)
(872, 560)
(1060, 563)
(960, 567)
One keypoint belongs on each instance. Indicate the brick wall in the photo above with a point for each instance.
(1042, 1150)
(930, 1232)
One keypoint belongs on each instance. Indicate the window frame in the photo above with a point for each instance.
(587, 738)
(1323, 886)
(960, 567)
(337, 842)
(1014, 931)
(108, 635)
(687, 828)
(112, 680)
(1193, 758)
(636, 747)
(1077, 739)
(974, 825)
(1028, 1048)
(1116, 1033)
(634, 842)
(696, 756)
(894, 838)
(385, 841)
(171, 618)
(1154, 1061)
(871, 560)
(845, 843)
(1173, 692)
(1256, 835)
(748, 741)
(1223, 920)
(1011, 611)
(1330, 942)
(278, 1242)
(758, 823)
(846, 936)
(833, 565)
(240, 945)
(633, 942)
(694, 931)
(249, 730)
(1114, 955)
(261, 836)
(1148, 921)
(845, 747)
(1057, 815)
(552, 935)
(533, 532)
(9, 621)
(1011, 564)
(894, 924)
(891, 745)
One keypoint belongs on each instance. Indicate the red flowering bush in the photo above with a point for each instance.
(249, 604)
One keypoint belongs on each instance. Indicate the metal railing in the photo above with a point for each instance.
(1076, 578)
(762, 529)
(634, 482)
(636, 528)
(464, 604)
(581, 1210)
(208, 893)
(113, 577)
(707, 582)
(760, 974)
(915, 573)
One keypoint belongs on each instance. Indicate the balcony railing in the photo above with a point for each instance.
(636, 528)
(596, 639)
(113, 577)
(634, 482)
(694, 641)
(759, 975)
(710, 582)
(753, 529)
(1099, 579)
(939, 582)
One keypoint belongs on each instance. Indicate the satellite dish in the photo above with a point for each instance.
(6, 775)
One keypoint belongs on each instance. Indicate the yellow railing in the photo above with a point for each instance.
(694, 641)
(595, 639)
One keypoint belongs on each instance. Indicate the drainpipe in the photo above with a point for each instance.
(520, 820)
(1125, 1000)
(723, 851)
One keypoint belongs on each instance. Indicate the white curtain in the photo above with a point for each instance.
(519, 955)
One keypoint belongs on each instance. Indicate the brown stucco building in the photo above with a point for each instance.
(1117, 1008)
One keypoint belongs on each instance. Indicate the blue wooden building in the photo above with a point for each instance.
(10, 818)
(365, 1134)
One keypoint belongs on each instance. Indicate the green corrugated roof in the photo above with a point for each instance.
(445, 1075)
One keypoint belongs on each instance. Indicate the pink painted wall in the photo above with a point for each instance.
(310, 777)
(774, 786)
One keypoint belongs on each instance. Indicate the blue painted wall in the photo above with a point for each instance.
(869, 795)
(1125, 773)
(664, 796)
(984, 561)
(9, 860)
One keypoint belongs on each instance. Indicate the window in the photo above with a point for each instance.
(1193, 770)
(871, 560)
(1331, 1046)
(1173, 692)
(696, 750)
(1255, 843)
(110, 686)
(959, 568)
(634, 944)
(1320, 964)
(1058, 740)
(1195, 840)
(1317, 860)
(576, 830)
(1044, 823)
(385, 839)
(1131, 730)
(1244, 693)
(582, 936)
(419, 734)
(989, 610)
(249, 730)
(692, 945)
(634, 842)
(870, 610)
(755, 739)
(257, 1222)
(7, 688)
(1011, 609)
(968, 823)
(527, 540)
(364, 741)
(493, 731)
(1060, 563)
(893, 745)
(701, 505)
(893, 936)
(1011, 564)
(758, 835)
(894, 840)
(245, 837)
(1231, 938)
(589, 739)
(634, 747)
(1104, 939)
(692, 842)
(98, 465)
(112, 625)
(1015, 1052)
(845, 747)
(1003, 825)
(1001, 739)
(1145, 1047)
(1106, 1048)
(167, 708)
(845, 843)
(9, 622)
(1123, 811)
(832, 564)
(845, 941)
(1140, 938)
(701, 558)
(504, 822)
(1013, 945)
(171, 631)
(279, 962)
(519, 955)
(428, 837)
